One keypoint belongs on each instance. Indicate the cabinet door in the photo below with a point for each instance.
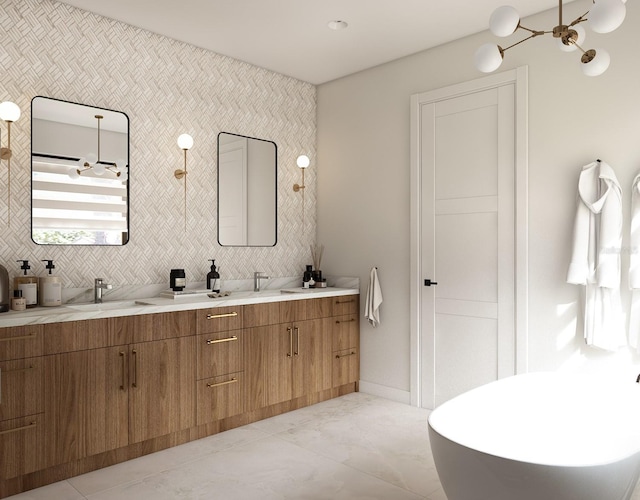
(267, 366)
(311, 356)
(86, 403)
(162, 377)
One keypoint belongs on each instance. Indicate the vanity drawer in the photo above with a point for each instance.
(302, 310)
(220, 397)
(261, 314)
(21, 383)
(220, 353)
(345, 304)
(20, 342)
(345, 331)
(21, 446)
(346, 367)
(219, 319)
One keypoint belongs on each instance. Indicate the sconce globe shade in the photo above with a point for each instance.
(598, 64)
(504, 21)
(488, 58)
(303, 161)
(91, 159)
(185, 141)
(582, 35)
(607, 15)
(73, 173)
(99, 169)
(121, 164)
(9, 111)
(124, 176)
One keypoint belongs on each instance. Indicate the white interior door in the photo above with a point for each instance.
(467, 241)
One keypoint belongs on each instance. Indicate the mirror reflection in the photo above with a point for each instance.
(79, 174)
(247, 178)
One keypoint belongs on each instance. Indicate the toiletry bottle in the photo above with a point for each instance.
(177, 280)
(213, 278)
(4, 290)
(28, 285)
(306, 277)
(50, 288)
(18, 302)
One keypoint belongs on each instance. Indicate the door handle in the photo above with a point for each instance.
(290, 331)
(122, 386)
(430, 283)
(297, 351)
(135, 368)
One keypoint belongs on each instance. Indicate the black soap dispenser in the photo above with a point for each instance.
(213, 278)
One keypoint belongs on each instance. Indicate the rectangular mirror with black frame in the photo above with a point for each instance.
(247, 190)
(79, 174)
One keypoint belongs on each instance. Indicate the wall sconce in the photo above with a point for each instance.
(9, 112)
(185, 142)
(92, 162)
(302, 162)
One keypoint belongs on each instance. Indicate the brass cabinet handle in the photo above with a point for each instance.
(122, 387)
(290, 330)
(297, 351)
(23, 337)
(18, 429)
(135, 368)
(347, 321)
(228, 339)
(338, 356)
(232, 381)
(227, 315)
(345, 301)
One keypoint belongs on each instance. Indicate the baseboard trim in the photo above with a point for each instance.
(385, 392)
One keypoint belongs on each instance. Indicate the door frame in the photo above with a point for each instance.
(518, 77)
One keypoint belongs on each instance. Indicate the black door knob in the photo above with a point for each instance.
(429, 282)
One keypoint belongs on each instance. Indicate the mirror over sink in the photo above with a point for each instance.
(79, 174)
(247, 186)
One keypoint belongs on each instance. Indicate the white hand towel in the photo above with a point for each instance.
(374, 299)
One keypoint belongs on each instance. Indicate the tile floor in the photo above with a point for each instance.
(354, 447)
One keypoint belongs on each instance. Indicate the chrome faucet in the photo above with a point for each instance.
(257, 276)
(97, 290)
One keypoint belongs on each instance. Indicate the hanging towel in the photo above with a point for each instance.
(634, 265)
(595, 258)
(374, 299)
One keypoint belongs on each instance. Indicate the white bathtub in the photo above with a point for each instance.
(540, 436)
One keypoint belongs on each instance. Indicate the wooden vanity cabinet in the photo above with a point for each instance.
(345, 327)
(21, 401)
(287, 351)
(220, 373)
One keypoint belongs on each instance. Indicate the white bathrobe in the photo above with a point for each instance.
(595, 259)
(634, 265)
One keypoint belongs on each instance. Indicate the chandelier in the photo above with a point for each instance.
(604, 17)
(92, 162)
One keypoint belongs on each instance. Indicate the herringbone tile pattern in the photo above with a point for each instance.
(166, 88)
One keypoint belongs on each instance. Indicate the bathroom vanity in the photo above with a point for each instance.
(86, 388)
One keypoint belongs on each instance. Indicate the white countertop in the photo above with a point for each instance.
(108, 309)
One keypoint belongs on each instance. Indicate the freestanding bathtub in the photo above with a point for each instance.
(539, 436)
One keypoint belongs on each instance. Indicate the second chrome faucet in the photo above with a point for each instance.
(257, 276)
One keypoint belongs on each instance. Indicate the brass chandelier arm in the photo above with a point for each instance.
(533, 35)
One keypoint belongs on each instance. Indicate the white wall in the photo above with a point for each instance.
(363, 180)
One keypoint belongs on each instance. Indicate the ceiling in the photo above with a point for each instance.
(291, 36)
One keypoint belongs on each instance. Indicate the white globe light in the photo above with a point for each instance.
(9, 111)
(185, 141)
(582, 35)
(121, 163)
(488, 58)
(73, 173)
(607, 15)
(303, 161)
(504, 21)
(124, 176)
(598, 64)
(92, 158)
(99, 169)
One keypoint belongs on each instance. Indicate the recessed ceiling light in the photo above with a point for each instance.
(337, 25)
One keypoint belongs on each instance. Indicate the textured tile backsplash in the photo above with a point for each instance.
(166, 88)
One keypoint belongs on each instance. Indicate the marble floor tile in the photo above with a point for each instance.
(56, 491)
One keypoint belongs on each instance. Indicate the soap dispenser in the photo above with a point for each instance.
(28, 285)
(50, 288)
(4, 290)
(213, 278)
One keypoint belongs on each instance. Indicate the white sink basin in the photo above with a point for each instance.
(107, 306)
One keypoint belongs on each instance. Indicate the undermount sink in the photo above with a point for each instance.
(106, 306)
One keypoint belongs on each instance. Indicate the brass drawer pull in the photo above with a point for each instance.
(228, 339)
(347, 321)
(19, 370)
(297, 351)
(135, 368)
(345, 301)
(290, 332)
(232, 381)
(338, 356)
(23, 337)
(227, 315)
(18, 429)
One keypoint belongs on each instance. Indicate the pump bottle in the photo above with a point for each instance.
(213, 278)
(28, 285)
(50, 288)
